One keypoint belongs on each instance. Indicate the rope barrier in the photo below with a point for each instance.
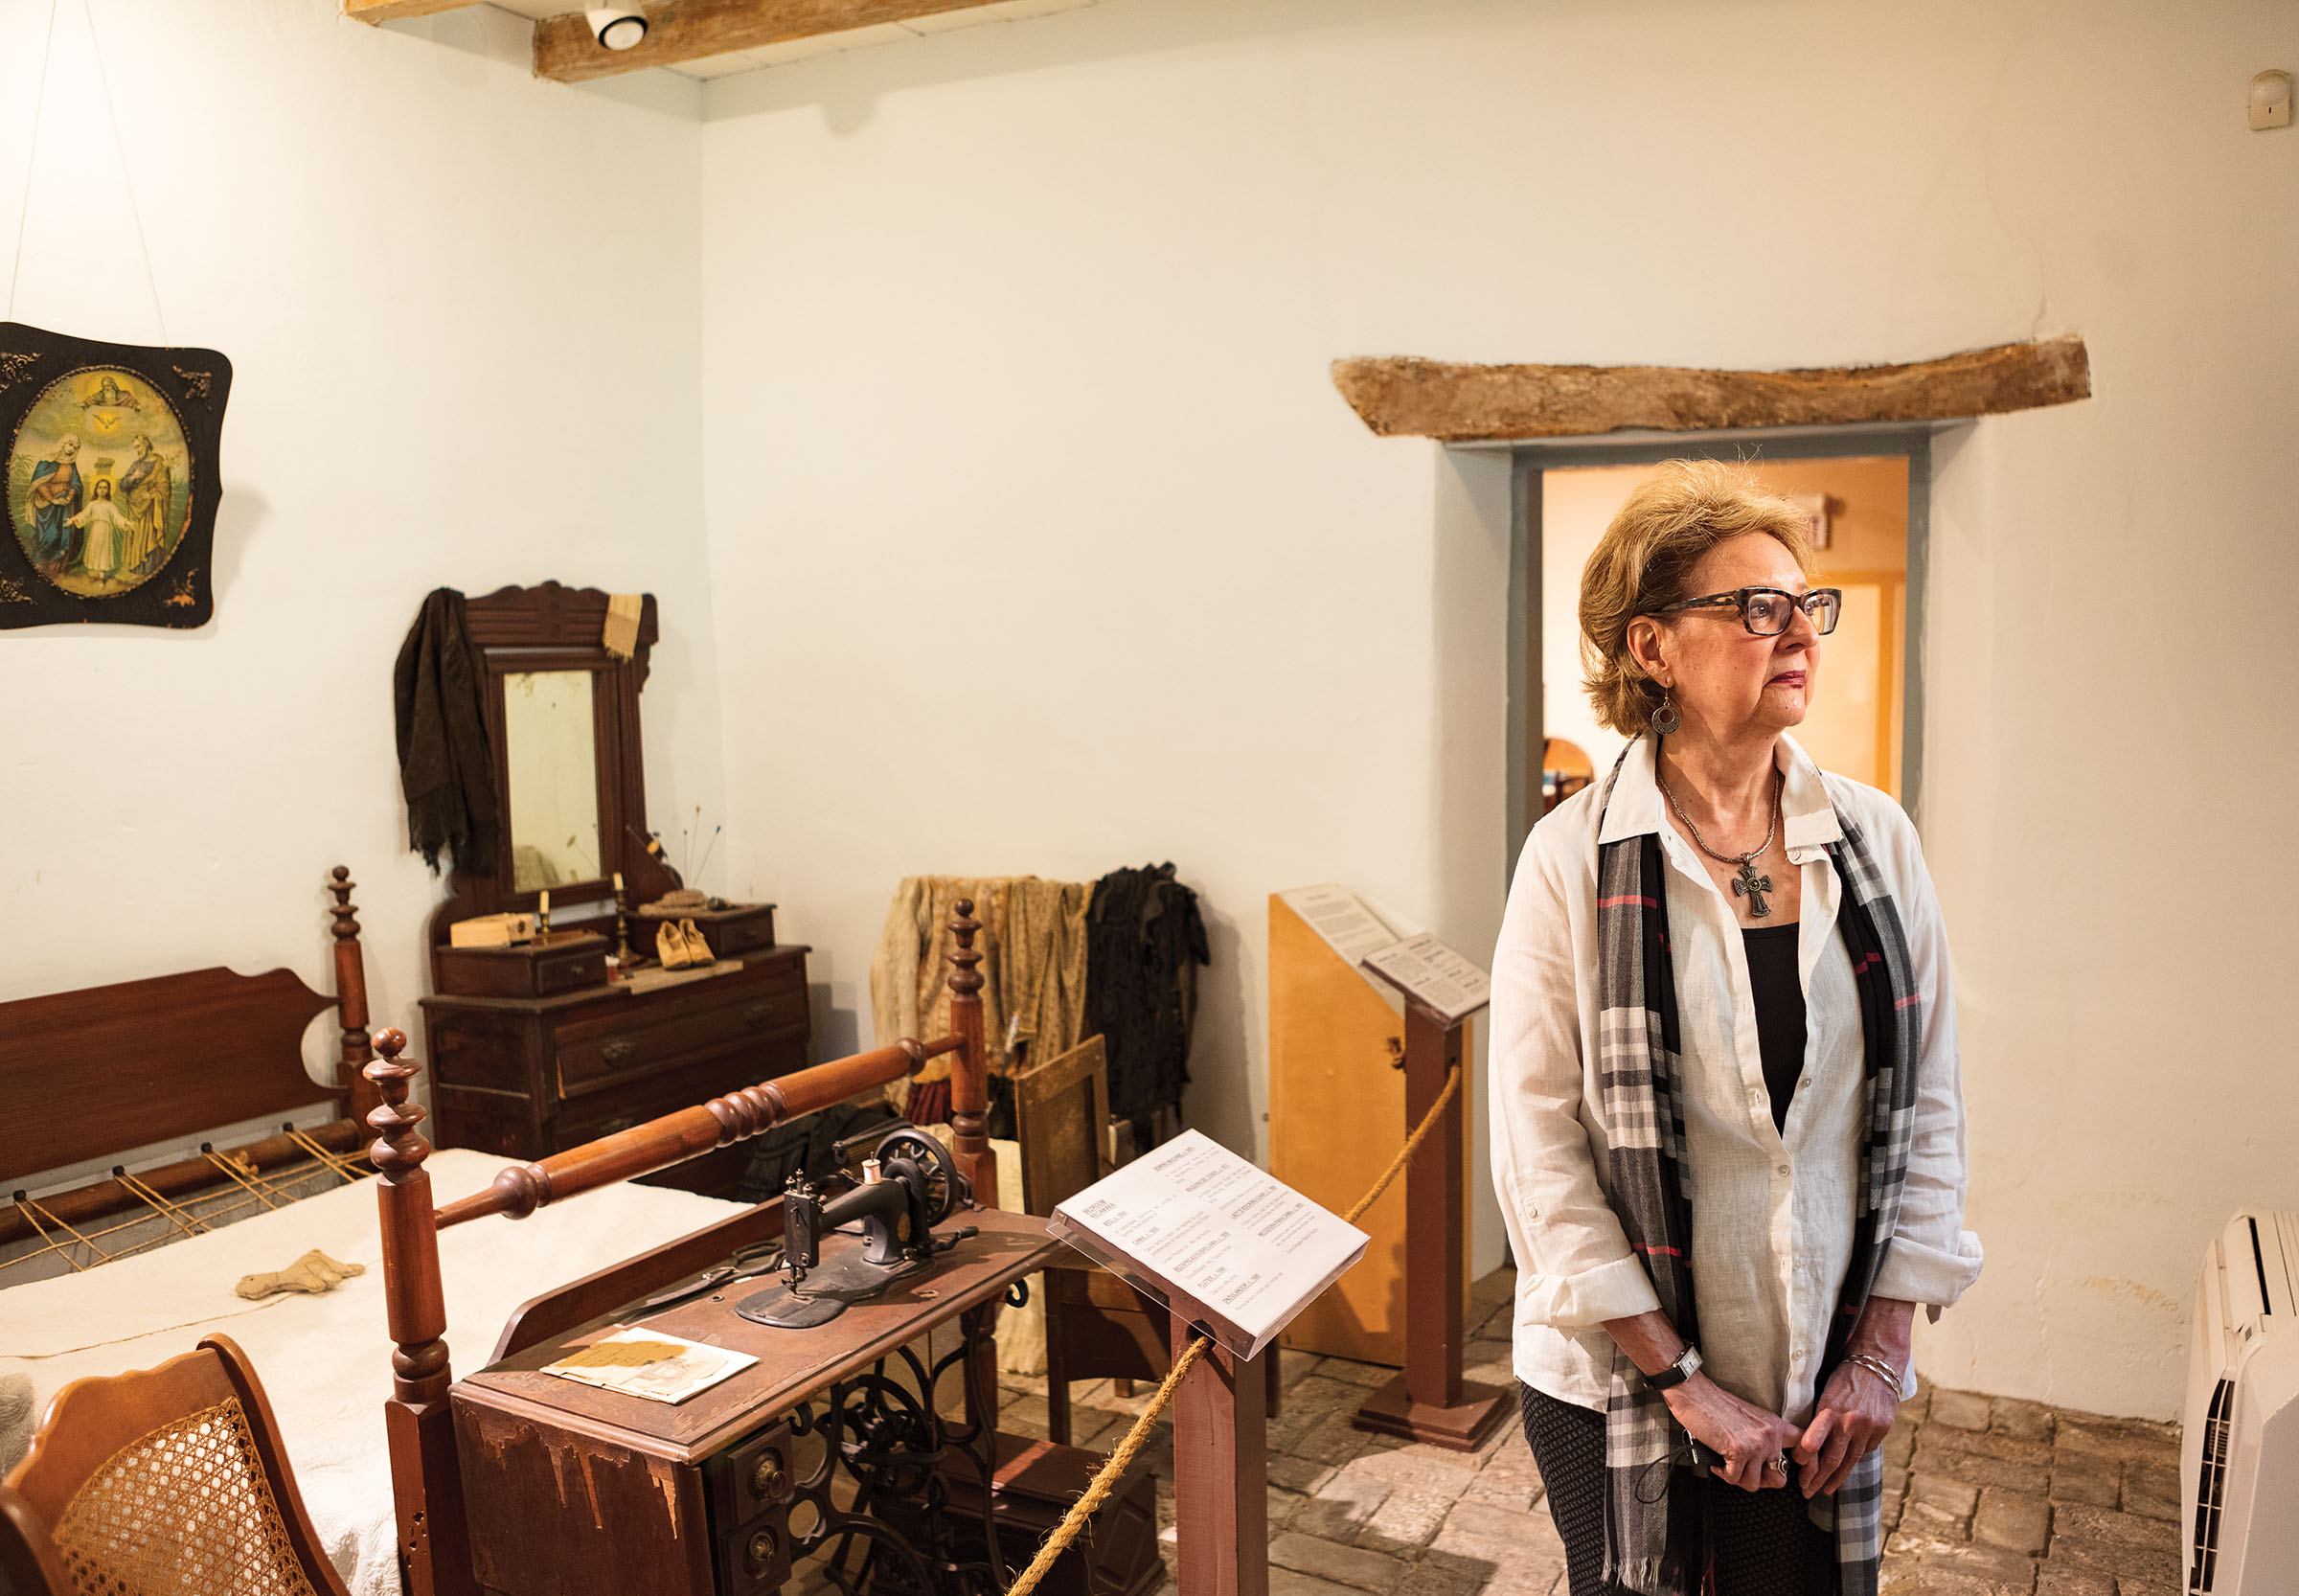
(1106, 1479)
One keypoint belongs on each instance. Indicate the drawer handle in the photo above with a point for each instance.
(619, 1053)
(766, 1478)
(759, 1015)
(758, 1555)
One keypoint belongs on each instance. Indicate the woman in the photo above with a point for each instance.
(54, 498)
(1727, 1130)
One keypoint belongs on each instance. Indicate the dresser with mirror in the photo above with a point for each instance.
(532, 1049)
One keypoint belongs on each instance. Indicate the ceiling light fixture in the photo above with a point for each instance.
(616, 27)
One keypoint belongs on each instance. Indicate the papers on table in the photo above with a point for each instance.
(1219, 1242)
(651, 1363)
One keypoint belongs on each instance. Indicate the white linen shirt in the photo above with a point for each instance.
(1772, 1213)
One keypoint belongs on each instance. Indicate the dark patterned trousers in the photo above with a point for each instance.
(1764, 1544)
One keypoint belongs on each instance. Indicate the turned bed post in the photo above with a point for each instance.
(435, 1558)
(970, 1070)
(351, 1000)
(969, 1128)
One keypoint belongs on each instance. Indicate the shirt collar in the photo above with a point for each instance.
(1807, 815)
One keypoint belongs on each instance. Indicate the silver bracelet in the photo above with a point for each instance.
(1881, 1370)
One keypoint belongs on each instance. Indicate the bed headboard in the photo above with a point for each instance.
(87, 1073)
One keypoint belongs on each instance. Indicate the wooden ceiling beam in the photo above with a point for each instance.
(690, 29)
(391, 10)
(1401, 396)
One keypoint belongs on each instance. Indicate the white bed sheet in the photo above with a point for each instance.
(326, 1360)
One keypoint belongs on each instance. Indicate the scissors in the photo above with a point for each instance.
(747, 1263)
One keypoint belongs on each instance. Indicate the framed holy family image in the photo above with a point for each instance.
(110, 479)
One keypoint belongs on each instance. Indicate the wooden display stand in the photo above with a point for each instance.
(1430, 1401)
(1335, 1100)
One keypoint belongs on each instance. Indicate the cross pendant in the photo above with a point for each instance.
(1750, 885)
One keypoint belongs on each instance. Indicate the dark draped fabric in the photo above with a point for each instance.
(447, 762)
(1145, 939)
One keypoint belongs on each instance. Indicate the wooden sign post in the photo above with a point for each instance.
(1220, 1472)
(1430, 1401)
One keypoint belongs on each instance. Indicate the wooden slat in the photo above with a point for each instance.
(391, 10)
(680, 30)
(1401, 397)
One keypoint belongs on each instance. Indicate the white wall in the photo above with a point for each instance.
(462, 308)
(1040, 540)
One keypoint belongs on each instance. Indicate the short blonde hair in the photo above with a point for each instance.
(1644, 561)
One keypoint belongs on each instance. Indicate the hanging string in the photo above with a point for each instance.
(39, 102)
(119, 144)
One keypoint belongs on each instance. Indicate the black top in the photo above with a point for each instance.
(1779, 993)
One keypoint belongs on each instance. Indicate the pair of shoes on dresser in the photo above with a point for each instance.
(679, 945)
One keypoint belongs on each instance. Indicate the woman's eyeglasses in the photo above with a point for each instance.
(1769, 612)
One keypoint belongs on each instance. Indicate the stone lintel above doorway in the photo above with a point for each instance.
(1404, 397)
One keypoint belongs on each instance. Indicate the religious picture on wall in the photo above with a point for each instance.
(111, 479)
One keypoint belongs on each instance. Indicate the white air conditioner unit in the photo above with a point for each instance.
(2239, 1456)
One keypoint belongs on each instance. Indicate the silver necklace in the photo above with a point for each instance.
(1747, 883)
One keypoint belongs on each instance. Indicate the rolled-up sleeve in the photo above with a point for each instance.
(1575, 1267)
(1933, 1259)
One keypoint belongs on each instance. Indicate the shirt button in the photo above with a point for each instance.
(1784, 1168)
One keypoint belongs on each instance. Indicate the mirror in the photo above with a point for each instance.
(550, 733)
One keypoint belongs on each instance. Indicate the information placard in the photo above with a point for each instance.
(1217, 1240)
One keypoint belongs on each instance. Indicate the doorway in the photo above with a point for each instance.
(1867, 491)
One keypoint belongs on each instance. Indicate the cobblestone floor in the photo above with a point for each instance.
(1983, 1496)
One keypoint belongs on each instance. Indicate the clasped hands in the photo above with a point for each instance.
(1853, 1416)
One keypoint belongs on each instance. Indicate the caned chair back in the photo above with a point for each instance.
(171, 1482)
(1062, 1119)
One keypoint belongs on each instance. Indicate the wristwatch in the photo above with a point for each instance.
(1677, 1372)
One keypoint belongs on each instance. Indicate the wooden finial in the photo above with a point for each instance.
(965, 979)
(346, 918)
(400, 1149)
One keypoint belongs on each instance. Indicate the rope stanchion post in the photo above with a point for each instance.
(1430, 1401)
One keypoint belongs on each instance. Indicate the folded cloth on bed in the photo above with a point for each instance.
(313, 1273)
(326, 1360)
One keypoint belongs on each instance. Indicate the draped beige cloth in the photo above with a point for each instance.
(1033, 942)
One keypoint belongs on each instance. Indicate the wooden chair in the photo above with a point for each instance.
(1097, 1326)
(164, 1482)
(28, 1565)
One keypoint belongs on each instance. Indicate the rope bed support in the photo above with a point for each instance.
(175, 1214)
(1106, 1478)
(238, 1190)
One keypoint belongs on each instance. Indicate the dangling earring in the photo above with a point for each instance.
(1666, 721)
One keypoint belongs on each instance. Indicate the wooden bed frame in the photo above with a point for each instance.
(426, 1475)
(85, 1074)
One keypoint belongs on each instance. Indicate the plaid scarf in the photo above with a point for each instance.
(1660, 1548)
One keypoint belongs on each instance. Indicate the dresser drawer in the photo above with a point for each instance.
(618, 1105)
(595, 1054)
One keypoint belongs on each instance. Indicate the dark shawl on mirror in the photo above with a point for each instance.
(446, 761)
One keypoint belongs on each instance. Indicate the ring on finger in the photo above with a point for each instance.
(1779, 1465)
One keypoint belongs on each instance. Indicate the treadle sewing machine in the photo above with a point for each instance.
(843, 1437)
